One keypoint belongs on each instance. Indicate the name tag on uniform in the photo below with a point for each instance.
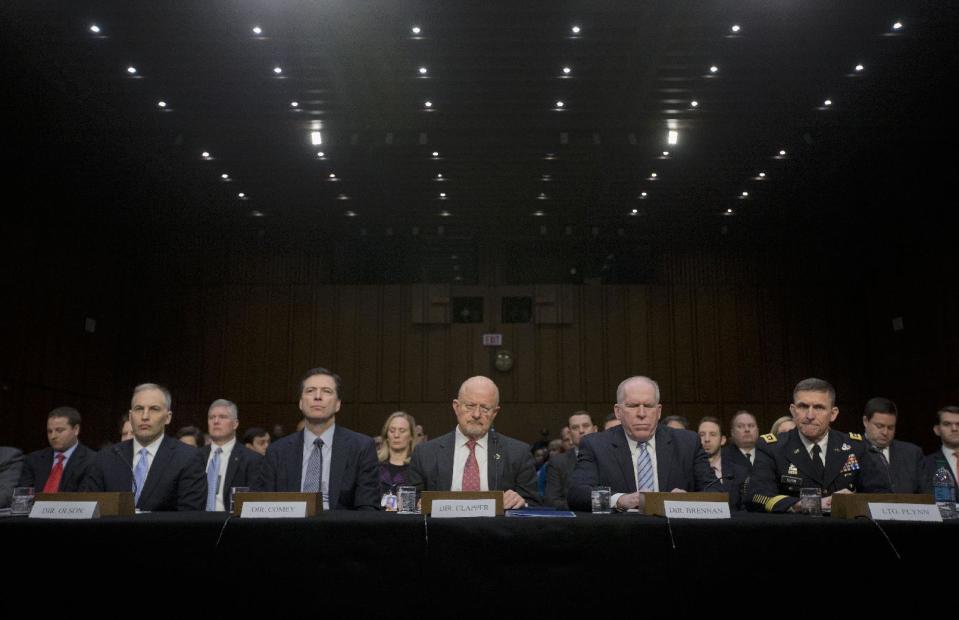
(457, 508)
(273, 510)
(696, 510)
(905, 512)
(65, 510)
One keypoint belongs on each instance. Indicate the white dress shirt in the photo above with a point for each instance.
(462, 452)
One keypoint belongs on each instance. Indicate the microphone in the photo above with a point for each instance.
(123, 458)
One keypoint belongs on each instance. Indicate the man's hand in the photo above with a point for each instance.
(827, 501)
(512, 500)
(628, 501)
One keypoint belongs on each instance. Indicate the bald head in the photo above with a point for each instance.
(479, 384)
(637, 380)
(476, 406)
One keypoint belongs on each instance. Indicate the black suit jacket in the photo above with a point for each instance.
(734, 477)
(177, 480)
(509, 466)
(354, 470)
(930, 464)
(732, 454)
(37, 466)
(905, 468)
(605, 460)
(11, 464)
(783, 467)
(241, 471)
(560, 468)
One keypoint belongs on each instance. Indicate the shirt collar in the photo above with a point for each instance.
(462, 439)
(152, 447)
(809, 444)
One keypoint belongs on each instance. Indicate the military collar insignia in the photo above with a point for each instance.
(855, 436)
(770, 438)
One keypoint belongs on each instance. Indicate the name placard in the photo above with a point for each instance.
(64, 510)
(273, 510)
(905, 512)
(457, 508)
(696, 510)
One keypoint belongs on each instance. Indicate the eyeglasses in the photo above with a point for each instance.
(471, 407)
(638, 406)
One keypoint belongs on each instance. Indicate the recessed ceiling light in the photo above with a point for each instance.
(539, 213)
(575, 29)
(224, 176)
(827, 102)
(672, 136)
(332, 175)
(665, 153)
(694, 104)
(560, 104)
(745, 194)
(161, 104)
(445, 213)
(320, 154)
(735, 28)
(132, 70)
(897, 25)
(542, 196)
(714, 69)
(415, 30)
(351, 214)
(278, 70)
(256, 214)
(241, 195)
(436, 153)
(567, 70)
(422, 70)
(652, 175)
(342, 197)
(205, 154)
(294, 104)
(859, 67)
(94, 29)
(762, 175)
(782, 153)
(439, 176)
(257, 30)
(428, 104)
(728, 212)
(643, 195)
(442, 194)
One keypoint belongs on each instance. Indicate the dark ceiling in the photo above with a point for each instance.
(513, 163)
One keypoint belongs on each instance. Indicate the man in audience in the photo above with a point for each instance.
(228, 464)
(191, 436)
(324, 457)
(744, 432)
(611, 422)
(642, 455)
(126, 429)
(567, 440)
(474, 457)
(163, 473)
(679, 422)
(562, 465)
(62, 465)
(257, 439)
(902, 460)
(947, 429)
(812, 455)
(730, 475)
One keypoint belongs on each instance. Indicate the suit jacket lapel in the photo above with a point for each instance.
(835, 458)
(446, 447)
(294, 463)
(74, 465)
(338, 460)
(231, 468)
(46, 465)
(624, 458)
(494, 463)
(664, 458)
(160, 464)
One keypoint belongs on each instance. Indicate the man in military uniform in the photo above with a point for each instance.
(812, 455)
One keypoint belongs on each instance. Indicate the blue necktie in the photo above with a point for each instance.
(314, 468)
(212, 476)
(140, 475)
(645, 466)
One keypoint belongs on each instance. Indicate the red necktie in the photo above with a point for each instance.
(53, 481)
(471, 474)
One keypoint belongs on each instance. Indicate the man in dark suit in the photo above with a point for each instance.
(11, 464)
(812, 455)
(640, 454)
(474, 457)
(947, 429)
(903, 460)
(744, 432)
(63, 465)
(324, 457)
(163, 473)
(731, 475)
(228, 463)
(561, 466)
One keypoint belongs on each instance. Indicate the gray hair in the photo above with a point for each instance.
(621, 390)
(167, 397)
(813, 384)
(229, 404)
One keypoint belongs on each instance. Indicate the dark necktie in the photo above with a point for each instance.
(817, 464)
(471, 473)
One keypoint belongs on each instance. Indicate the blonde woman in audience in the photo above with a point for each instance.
(395, 451)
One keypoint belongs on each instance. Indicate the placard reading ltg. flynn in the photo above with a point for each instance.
(905, 512)
(696, 510)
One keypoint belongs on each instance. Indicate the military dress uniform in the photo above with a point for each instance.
(784, 466)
